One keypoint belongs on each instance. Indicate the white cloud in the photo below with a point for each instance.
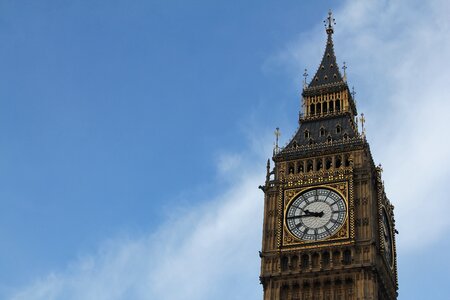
(396, 52)
(228, 162)
(204, 252)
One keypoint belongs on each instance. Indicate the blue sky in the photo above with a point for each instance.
(134, 134)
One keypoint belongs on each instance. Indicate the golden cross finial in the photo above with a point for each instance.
(329, 22)
(362, 120)
(306, 76)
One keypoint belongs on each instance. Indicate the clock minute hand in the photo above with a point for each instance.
(300, 216)
(308, 214)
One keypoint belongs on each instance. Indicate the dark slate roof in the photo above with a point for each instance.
(329, 125)
(328, 72)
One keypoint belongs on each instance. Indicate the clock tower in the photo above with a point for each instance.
(329, 229)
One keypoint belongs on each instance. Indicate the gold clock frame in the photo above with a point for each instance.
(343, 185)
(291, 195)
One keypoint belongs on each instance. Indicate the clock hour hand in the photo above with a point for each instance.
(315, 214)
(308, 214)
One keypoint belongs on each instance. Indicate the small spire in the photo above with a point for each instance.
(380, 168)
(344, 67)
(353, 93)
(305, 75)
(277, 135)
(362, 120)
(329, 22)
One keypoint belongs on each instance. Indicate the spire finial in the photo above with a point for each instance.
(380, 168)
(362, 120)
(277, 135)
(306, 76)
(268, 171)
(344, 67)
(329, 22)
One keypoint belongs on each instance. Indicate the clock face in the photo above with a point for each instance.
(387, 237)
(316, 214)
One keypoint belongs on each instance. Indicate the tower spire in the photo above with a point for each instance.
(328, 72)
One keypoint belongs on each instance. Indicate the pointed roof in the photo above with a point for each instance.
(328, 72)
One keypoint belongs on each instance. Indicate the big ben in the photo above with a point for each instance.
(328, 229)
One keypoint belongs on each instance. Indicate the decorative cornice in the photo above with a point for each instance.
(325, 88)
(320, 149)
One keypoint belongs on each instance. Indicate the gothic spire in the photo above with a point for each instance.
(328, 72)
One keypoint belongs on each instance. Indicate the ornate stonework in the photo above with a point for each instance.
(304, 254)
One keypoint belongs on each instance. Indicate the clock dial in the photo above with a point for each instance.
(387, 237)
(316, 214)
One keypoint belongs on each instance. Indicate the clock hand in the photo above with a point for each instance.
(300, 216)
(308, 214)
(317, 214)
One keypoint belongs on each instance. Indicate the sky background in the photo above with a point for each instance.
(134, 134)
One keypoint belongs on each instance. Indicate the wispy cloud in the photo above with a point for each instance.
(202, 252)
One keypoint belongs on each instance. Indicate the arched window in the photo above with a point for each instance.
(305, 261)
(284, 263)
(291, 168)
(328, 163)
(331, 106)
(322, 131)
(347, 257)
(338, 105)
(309, 165)
(347, 161)
(319, 164)
(324, 107)
(315, 260)
(338, 128)
(345, 136)
(318, 108)
(311, 109)
(294, 262)
(306, 134)
(300, 167)
(338, 162)
(329, 139)
(336, 258)
(325, 259)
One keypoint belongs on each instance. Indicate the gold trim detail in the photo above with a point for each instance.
(288, 192)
